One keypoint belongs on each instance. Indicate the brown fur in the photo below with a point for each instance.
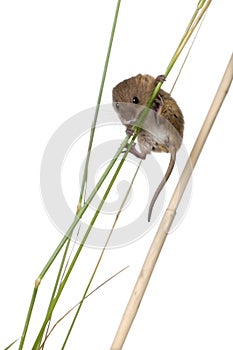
(143, 86)
(166, 117)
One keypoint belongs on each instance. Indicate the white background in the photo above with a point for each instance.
(52, 56)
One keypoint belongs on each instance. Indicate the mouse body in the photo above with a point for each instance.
(162, 129)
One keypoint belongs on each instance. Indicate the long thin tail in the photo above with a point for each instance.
(162, 183)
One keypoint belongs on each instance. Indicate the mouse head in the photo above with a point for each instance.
(130, 95)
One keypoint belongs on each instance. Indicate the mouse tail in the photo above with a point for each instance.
(162, 183)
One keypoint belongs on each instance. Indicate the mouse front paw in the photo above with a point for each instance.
(129, 130)
(160, 79)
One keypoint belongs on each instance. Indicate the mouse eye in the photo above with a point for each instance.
(135, 100)
(117, 105)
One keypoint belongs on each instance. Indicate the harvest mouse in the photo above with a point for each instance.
(162, 129)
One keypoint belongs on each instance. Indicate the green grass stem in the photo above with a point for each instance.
(58, 279)
(63, 283)
(85, 173)
(202, 5)
(9, 346)
(66, 237)
(100, 257)
(188, 32)
(89, 294)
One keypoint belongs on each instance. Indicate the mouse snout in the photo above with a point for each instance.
(129, 112)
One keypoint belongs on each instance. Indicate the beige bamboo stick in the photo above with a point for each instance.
(169, 215)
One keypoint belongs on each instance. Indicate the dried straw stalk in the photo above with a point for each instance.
(161, 235)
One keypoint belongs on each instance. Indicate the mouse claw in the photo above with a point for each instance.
(129, 130)
(160, 78)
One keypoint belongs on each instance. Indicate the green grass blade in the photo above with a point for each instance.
(28, 317)
(100, 257)
(58, 279)
(191, 27)
(63, 283)
(186, 57)
(81, 209)
(9, 346)
(68, 236)
(89, 294)
(85, 174)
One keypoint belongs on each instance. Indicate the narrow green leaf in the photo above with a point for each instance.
(9, 346)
